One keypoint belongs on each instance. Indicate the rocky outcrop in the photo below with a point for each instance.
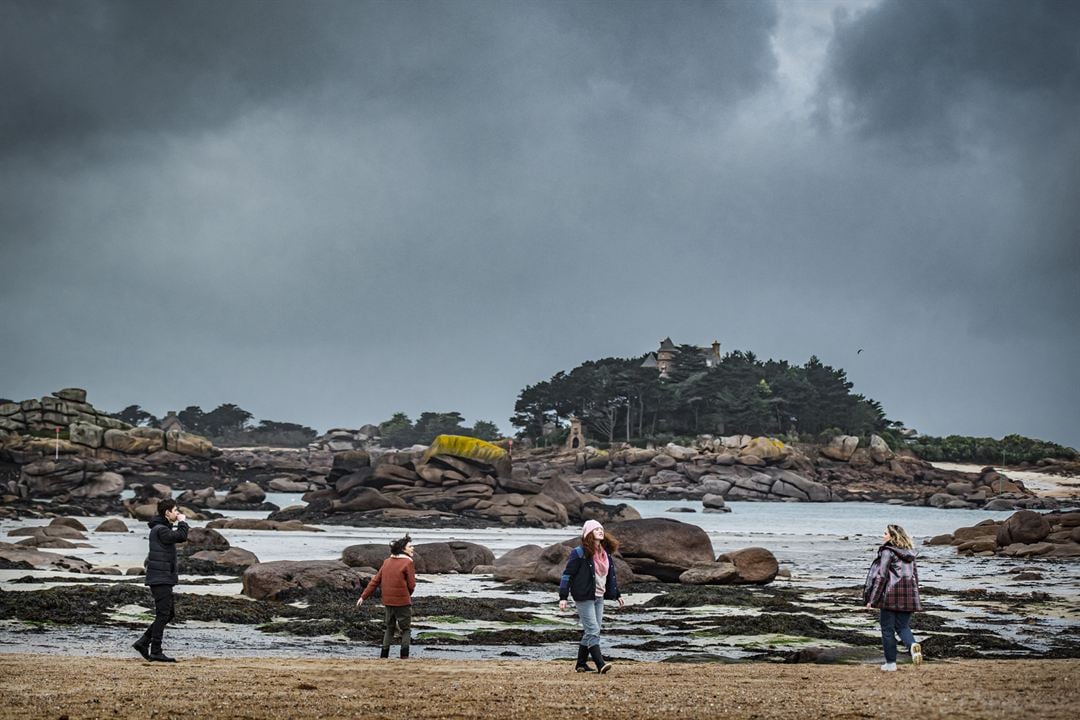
(765, 469)
(430, 558)
(1023, 534)
(292, 579)
(477, 486)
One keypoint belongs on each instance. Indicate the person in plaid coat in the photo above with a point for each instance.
(892, 586)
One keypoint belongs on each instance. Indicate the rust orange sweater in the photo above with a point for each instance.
(398, 580)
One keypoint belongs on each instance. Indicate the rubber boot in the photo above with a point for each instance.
(385, 653)
(601, 666)
(582, 659)
(143, 645)
(404, 653)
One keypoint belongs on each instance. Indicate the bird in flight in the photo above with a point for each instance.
(859, 351)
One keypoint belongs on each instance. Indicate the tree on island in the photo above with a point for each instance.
(135, 415)
(619, 398)
(400, 432)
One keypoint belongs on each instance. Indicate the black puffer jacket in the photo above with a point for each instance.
(161, 561)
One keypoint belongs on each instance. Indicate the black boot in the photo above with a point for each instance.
(582, 659)
(601, 666)
(404, 653)
(157, 656)
(143, 645)
(385, 653)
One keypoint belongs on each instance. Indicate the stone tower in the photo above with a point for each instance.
(576, 439)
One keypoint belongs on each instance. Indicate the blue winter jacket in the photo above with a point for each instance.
(579, 578)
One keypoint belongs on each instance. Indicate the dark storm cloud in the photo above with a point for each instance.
(76, 70)
(327, 212)
(947, 74)
(994, 84)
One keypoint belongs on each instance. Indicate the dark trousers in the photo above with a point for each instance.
(893, 622)
(164, 613)
(400, 617)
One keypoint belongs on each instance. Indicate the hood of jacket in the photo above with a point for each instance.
(158, 520)
(905, 554)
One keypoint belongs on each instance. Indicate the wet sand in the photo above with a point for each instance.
(39, 686)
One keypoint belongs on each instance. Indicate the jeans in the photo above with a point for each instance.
(893, 622)
(401, 617)
(591, 614)
(164, 612)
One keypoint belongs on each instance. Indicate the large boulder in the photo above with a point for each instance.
(73, 523)
(288, 485)
(754, 565)
(605, 514)
(769, 450)
(71, 394)
(106, 484)
(123, 441)
(679, 452)
(841, 448)
(793, 485)
(290, 579)
(455, 556)
(720, 573)
(430, 558)
(112, 525)
(203, 539)
(363, 499)
(1025, 527)
(662, 547)
(518, 564)
(233, 561)
(513, 509)
(880, 452)
(561, 491)
(17, 557)
(183, 443)
(246, 492)
(88, 434)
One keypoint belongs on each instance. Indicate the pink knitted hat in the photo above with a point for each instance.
(589, 526)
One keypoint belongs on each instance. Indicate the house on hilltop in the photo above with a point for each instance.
(666, 355)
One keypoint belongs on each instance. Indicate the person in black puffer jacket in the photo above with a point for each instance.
(161, 575)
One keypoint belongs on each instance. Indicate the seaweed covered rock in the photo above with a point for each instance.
(291, 579)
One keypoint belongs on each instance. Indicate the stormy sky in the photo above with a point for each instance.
(327, 212)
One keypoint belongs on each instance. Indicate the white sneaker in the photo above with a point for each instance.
(889, 667)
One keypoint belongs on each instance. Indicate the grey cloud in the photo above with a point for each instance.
(328, 212)
(943, 74)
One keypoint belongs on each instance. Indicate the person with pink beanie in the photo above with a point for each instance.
(589, 578)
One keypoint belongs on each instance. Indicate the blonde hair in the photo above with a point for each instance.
(898, 537)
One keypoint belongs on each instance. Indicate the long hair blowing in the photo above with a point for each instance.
(590, 544)
(898, 537)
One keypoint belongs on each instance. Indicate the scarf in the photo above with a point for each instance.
(601, 561)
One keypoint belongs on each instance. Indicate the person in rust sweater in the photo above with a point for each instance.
(398, 580)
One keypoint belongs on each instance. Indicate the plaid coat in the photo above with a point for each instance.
(893, 581)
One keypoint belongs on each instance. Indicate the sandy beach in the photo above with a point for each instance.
(296, 688)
